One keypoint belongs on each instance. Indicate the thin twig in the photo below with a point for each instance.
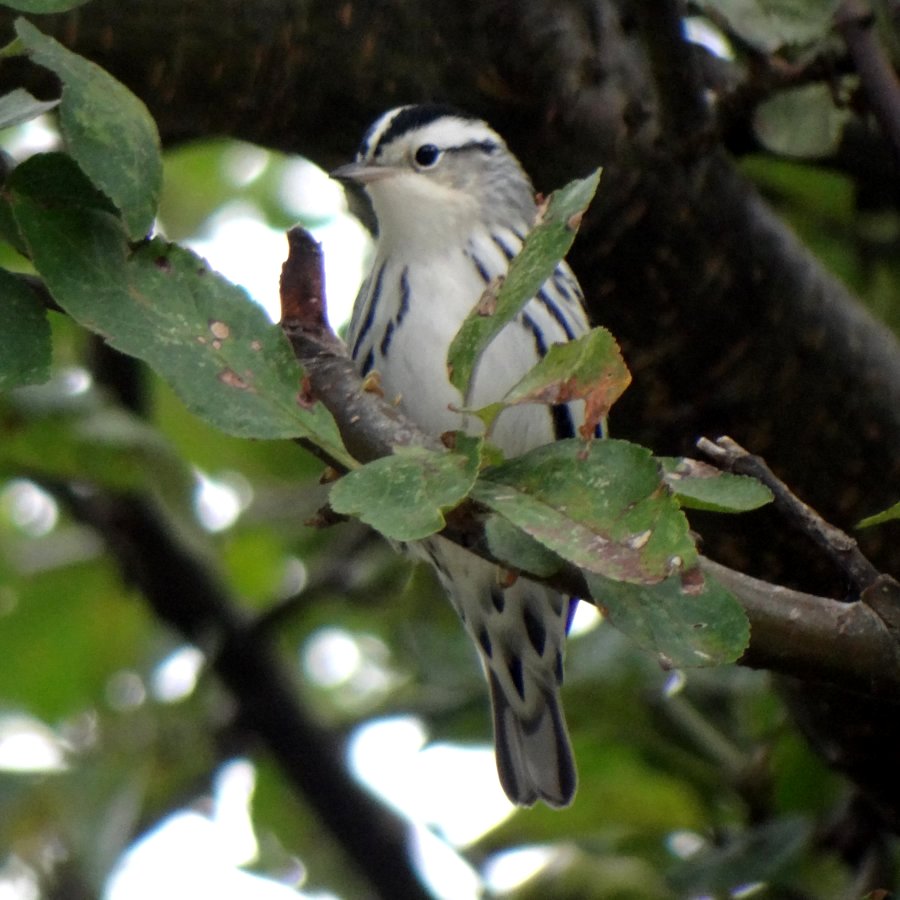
(855, 21)
(837, 544)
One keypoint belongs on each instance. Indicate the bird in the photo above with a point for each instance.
(453, 206)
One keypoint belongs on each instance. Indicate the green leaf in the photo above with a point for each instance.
(229, 364)
(698, 485)
(108, 131)
(43, 6)
(802, 122)
(769, 25)
(601, 505)
(25, 349)
(886, 515)
(405, 496)
(19, 106)
(545, 245)
(514, 547)
(9, 231)
(687, 620)
(56, 181)
(758, 854)
(589, 368)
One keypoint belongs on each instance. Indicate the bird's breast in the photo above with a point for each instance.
(411, 311)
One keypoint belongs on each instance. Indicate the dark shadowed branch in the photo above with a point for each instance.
(684, 116)
(837, 544)
(188, 596)
(856, 22)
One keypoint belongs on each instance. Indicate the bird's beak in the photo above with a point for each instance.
(362, 173)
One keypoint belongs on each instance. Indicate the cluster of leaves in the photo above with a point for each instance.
(80, 218)
(801, 120)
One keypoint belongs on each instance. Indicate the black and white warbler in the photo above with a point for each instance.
(453, 206)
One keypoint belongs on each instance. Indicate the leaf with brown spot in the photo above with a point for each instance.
(688, 619)
(219, 330)
(232, 379)
(590, 368)
(487, 303)
(601, 506)
(160, 303)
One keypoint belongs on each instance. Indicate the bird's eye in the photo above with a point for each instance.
(427, 155)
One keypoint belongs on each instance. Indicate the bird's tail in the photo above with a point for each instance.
(534, 757)
(519, 629)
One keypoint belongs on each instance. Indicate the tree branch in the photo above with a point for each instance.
(837, 544)
(814, 638)
(856, 22)
(793, 633)
(369, 425)
(187, 595)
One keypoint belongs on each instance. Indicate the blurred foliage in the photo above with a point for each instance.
(690, 786)
(855, 234)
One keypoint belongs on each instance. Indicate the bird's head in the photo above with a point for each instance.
(434, 169)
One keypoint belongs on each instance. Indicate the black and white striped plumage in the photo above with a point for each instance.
(453, 206)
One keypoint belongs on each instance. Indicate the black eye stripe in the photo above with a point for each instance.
(427, 155)
(487, 147)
